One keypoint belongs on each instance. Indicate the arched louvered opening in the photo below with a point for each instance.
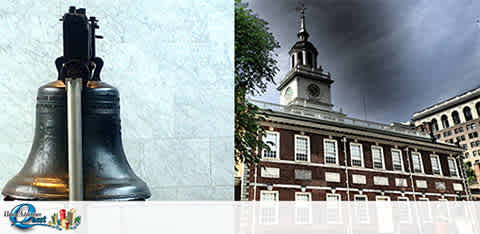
(309, 59)
(299, 58)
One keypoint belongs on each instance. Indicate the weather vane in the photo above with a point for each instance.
(302, 16)
(302, 9)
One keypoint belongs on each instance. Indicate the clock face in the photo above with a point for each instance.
(313, 90)
(288, 94)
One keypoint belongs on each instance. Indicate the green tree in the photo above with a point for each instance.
(255, 67)
(471, 177)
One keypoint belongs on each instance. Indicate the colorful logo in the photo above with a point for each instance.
(25, 216)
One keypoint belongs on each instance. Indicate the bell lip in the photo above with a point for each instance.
(63, 198)
(51, 197)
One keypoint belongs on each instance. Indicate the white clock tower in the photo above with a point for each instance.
(306, 85)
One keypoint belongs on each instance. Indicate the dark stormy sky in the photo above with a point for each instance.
(400, 56)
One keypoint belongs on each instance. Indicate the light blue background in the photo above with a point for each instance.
(172, 62)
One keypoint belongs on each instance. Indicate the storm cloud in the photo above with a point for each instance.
(400, 56)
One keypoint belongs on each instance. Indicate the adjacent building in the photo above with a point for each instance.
(319, 154)
(455, 121)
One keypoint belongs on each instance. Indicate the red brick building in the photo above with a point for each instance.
(320, 154)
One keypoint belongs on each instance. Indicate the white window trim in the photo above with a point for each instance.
(455, 165)
(383, 157)
(423, 199)
(421, 162)
(360, 195)
(303, 193)
(401, 160)
(361, 154)
(308, 147)
(439, 163)
(335, 194)
(403, 199)
(268, 191)
(336, 151)
(378, 197)
(277, 146)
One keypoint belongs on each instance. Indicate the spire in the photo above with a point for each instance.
(302, 34)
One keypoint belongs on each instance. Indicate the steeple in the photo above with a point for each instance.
(306, 87)
(302, 34)
(303, 53)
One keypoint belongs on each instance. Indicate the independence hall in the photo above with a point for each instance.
(318, 154)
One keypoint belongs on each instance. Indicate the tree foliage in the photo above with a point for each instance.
(471, 177)
(255, 67)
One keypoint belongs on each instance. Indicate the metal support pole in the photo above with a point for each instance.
(463, 174)
(410, 168)
(344, 140)
(255, 184)
(74, 133)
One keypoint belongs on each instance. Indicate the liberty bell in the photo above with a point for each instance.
(77, 151)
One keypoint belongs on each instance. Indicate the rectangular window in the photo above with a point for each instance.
(330, 149)
(435, 165)
(360, 198)
(305, 197)
(402, 199)
(302, 148)
(333, 197)
(271, 139)
(361, 209)
(303, 209)
(452, 166)
(417, 162)
(397, 160)
(377, 155)
(356, 154)
(383, 198)
(268, 195)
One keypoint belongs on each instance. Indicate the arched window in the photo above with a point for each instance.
(455, 117)
(467, 113)
(445, 121)
(477, 106)
(293, 60)
(309, 59)
(299, 58)
(434, 125)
